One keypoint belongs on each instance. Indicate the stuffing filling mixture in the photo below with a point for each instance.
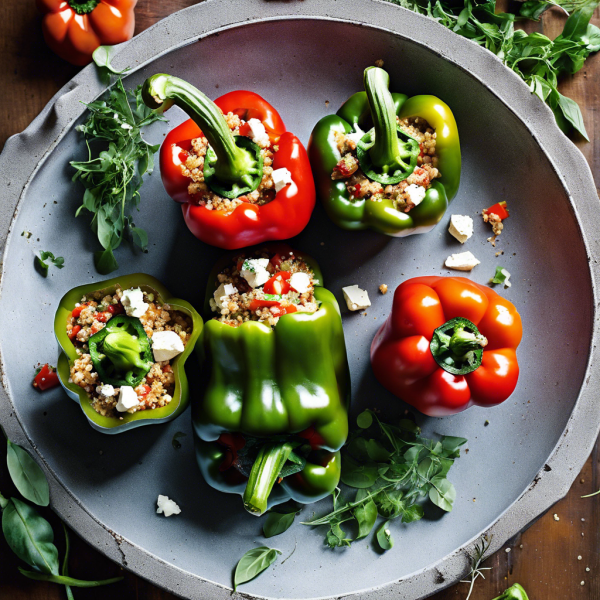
(495, 221)
(263, 288)
(167, 332)
(408, 193)
(273, 180)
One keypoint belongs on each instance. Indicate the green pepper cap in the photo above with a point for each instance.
(514, 592)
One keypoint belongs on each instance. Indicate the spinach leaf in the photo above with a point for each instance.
(384, 536)
(30, 536)
(27, 475)
(253, 563)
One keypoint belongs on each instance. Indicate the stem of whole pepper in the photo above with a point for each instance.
(463, 341)
(385, 153)
(83, 8)
(234, 165)
(264, 473)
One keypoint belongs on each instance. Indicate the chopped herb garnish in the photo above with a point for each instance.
(248, 266)
(42, 266)
(276, 297)
(501, 276)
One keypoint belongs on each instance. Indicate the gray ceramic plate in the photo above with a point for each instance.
(307, 58)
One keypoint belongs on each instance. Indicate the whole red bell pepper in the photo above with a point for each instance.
(75, 28)
(448, 343)
(238, 167)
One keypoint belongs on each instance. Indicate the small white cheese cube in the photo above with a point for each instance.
(300, 282)
(356, 299)
(259, 133)
(254, 271)
(461, 227)
(416, 193)
(465, 261)
(222, 292)
(356, 135)
(281, 178)
(166, 345)
(133, 302)
(127, 398)
(166, 506)
(106, 390)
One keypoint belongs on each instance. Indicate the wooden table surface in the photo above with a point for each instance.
(558, 557)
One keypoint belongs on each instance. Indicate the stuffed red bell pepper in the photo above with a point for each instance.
(241, 178)
(448, 343)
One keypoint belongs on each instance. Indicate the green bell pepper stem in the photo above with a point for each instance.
(83, 7)
(514, 592)
(457, 346)
(385, 152)
(64, 580)
(235, 166)
(263, 476)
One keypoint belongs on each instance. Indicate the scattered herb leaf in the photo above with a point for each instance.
(395, 471)
(42, 266)
(102, 56)
(384, 536)
(277, 523)
(501, 276)
(476, 560)
(175, 441)
(253, 563)
(114, 176)
(27, 475)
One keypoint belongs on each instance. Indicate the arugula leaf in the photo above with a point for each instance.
(253, 563)
(42, 266)
(113, 176)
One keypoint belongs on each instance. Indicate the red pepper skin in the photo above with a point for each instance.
(499, 209)
(402, 360)
(46, 379)
(282, 218)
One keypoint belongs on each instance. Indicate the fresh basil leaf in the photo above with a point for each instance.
(442, 493)
(277, 523)
(412, 513)
(572, 113)
(336, 536)
(3, 502)
(365, 514)
(253, 563)
(140, 238)
(294, 464)
(377, 451)
(384, 536)
(40, 266)
(365, 419)
(30, 536)
(27, 475)
(105, 261)
(592, 38)
(175, 441)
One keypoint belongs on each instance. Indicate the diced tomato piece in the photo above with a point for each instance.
(103, 316)
(167, 369)
(74, 331)
(47, 378)
(276, 260)
(77, 310)
(245, 129)
(144, 390)
(256, 304)
(278, 284)
(499, 209)
(286, 310)
(115, 309)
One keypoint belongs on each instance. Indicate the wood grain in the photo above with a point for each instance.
(544, 558)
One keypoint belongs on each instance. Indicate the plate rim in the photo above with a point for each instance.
(211, 16)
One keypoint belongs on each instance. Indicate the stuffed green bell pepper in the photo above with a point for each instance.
(124, 343)
(385, 161)
(272, 413)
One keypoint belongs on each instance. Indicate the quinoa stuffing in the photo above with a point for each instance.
(408, 193)
(192, 167)
(495, 221)
(263, 288)
(156, 387)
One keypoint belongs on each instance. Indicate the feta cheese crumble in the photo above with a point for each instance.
(166, 345)
(254, 271)
(222, 292)
(461, 227)
(106, 390)
(166, 506)
(281, 178)
(259, 133)
(356, 299)
(416, 193)
(127, 398)
(300, 282)
(465, 261)
(133, 302)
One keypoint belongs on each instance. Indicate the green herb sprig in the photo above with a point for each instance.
(394, 471)
(114, 175)
(42, 266)
(537, 59)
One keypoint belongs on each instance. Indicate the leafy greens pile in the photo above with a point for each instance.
(394, 470)
(113, 178)
(537, 59)
(27, 533)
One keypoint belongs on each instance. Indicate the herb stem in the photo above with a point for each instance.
(70, 581)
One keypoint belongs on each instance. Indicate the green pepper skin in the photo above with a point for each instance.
(267, 382)
(514, 592)
(381, 215)
(163, 414)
